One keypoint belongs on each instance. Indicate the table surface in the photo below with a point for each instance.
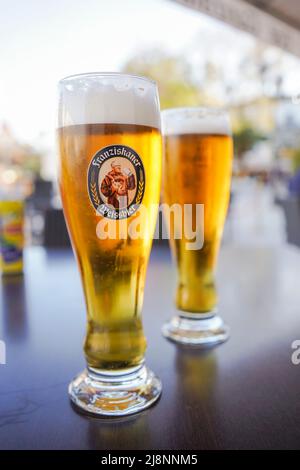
(244, 394)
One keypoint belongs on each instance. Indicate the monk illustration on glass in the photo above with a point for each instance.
(117, 184)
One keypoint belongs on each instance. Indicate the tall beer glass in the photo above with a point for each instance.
(110, 168)
(197, 170)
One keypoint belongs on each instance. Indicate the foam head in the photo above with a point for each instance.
(111, 98)
(178, 121)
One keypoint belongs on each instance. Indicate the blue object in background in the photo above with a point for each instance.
(294, 184)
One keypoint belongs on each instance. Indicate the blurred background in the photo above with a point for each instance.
(196, 60)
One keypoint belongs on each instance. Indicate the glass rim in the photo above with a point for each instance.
(106, 75)
(202, 109)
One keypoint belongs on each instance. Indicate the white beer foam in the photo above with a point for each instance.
(108, 98)
(178, 121)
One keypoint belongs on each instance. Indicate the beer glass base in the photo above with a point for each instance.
(115, 394)
(197, 330)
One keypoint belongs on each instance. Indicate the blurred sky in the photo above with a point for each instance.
(43, 41)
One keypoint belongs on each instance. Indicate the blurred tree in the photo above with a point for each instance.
(15, 153)
(173, 75)
(251, 93)
(245, 138)
(20, 164)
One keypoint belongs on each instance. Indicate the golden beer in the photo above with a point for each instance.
(113, 270)
(197, 170)
(109, 176)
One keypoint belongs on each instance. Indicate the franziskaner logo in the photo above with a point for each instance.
(116, 181)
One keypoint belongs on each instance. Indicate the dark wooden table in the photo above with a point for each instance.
(244, 394)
